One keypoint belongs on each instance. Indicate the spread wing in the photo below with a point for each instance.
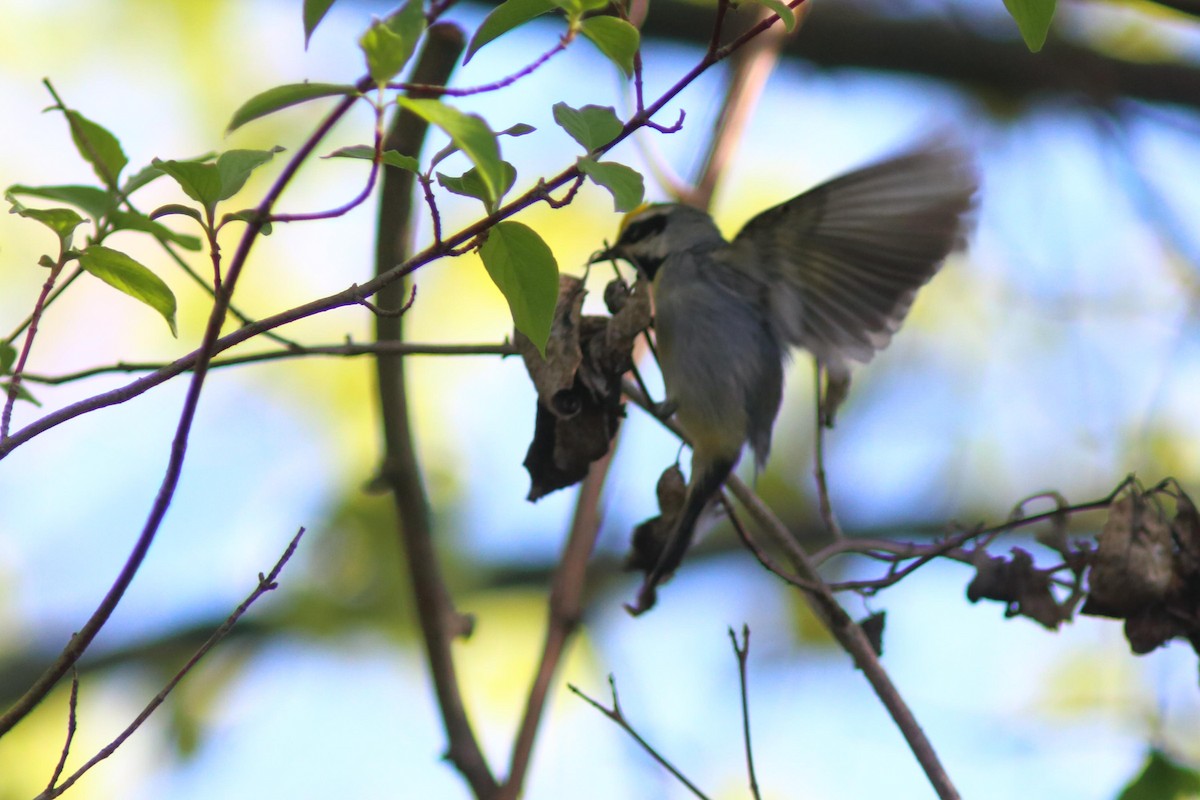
(844, 260)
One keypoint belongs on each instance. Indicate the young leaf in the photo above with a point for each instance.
(471, 134)
(503, 18)
(151, 172)
(247, 215)
(132, 221)
(591, 126)
(281, 97)
(94, 201)
(615, 38)
(8, 356)
(63, 221)
(123, 273)
(1162, 778)
(176, 208)
(98, 147)
(22, 394)
(520, 129)
(234, 168)
(392, 158)
(524, 270)
(389, 43)
(781, 9)
(314, 12)
(625, 184)
(201, 182)
(1033, 20)
(471, 184)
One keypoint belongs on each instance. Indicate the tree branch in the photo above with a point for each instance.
(440, 623)
(565, 608)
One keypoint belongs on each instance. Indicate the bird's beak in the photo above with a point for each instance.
(607, 254)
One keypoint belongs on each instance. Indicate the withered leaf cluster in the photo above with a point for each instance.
(1146, 568)
(579, 381)
(1017, 582)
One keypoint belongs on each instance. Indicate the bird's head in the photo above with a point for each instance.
(650, 233)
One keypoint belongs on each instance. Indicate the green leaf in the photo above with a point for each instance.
(281, 97)
(201, 182)
(503, 18)
(94, 201)
(122, 272)
(98, 147)
(234, 168)
(22, 393)
(471, 134)
(8, 356)
(1033, 20)
(781, 9)
(615, 38)
(576, 8)
(393, 158)
(151, 172)
(520, 129)
(470, 184)
(388, 44)
(134, 221)
(591, 126)
(63, 221)
(1163, 778)
(625, 183)
(314, 12)
(176, 208)
(523, 268)
(247, 215)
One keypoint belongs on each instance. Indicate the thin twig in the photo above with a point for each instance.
(565, 607)
(72, 724)
(348, 350)
(358, 199)
(379, 311)
(742, 654)
(14, 385)
(438, 90)
(615, 715)
(266, 583)
(59, 289)
(751, 66)
(759, 554)
(823, 503)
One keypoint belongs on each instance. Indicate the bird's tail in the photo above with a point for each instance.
(707, 479)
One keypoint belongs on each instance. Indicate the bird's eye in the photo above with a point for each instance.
(644, 229)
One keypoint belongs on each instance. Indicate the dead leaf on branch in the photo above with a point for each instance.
(1019, 584)
(1146, 569)
(650, 537)
(579, 382)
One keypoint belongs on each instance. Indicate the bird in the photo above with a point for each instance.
(833, 271)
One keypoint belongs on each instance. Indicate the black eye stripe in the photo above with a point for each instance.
(644, 229)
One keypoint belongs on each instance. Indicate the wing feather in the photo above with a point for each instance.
(844, 260)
